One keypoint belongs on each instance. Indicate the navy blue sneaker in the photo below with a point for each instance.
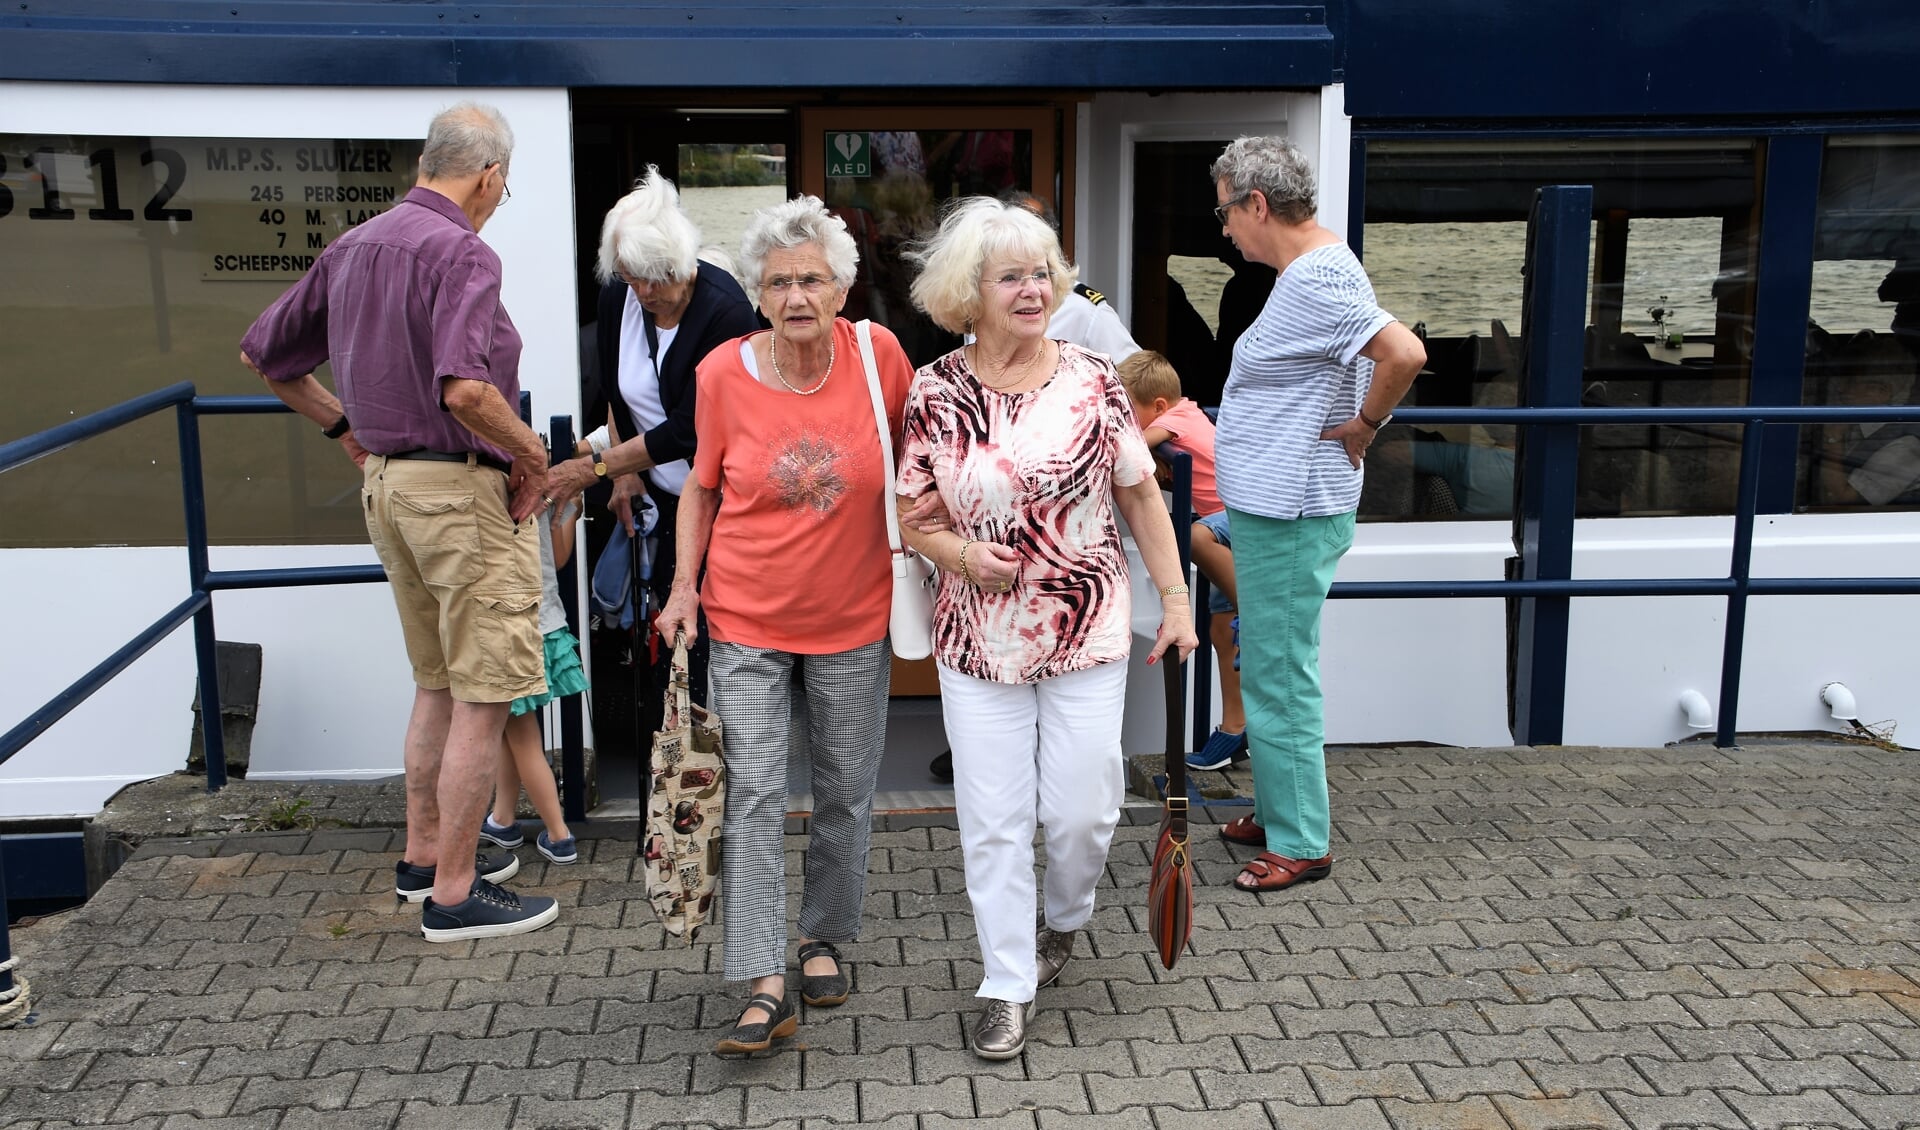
(1222, 749)
(415, 883)
(487, 912)
(558, 851)
(502, 835)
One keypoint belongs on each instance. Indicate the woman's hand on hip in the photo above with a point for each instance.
(1356, 436)
(680, 615)
(1176, 630)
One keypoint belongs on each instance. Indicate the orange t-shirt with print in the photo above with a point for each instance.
(798, 560)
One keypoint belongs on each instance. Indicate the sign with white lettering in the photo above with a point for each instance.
(849, 154)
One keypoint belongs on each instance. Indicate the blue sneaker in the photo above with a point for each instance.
(414, 884)
(487, 912)
(502, 835)
(1222, 749)
(558, 851)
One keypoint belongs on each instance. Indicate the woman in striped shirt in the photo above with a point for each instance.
(1313, 380)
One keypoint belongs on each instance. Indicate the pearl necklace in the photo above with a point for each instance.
(773, 351)
(1024, 367)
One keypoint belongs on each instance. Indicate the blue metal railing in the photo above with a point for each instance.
(205, 581)
(1737, 586)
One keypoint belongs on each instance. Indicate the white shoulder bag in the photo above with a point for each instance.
(911, 626)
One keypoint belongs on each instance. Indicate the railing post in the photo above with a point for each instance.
(206, 654)
(1740, 570)
(573, 760)
(6, 942)
(1554, 325)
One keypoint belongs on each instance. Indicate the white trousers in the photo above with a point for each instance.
(1027, 754)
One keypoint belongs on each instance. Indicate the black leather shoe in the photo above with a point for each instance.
(745, 1039)
(942, 767)
(826, 989)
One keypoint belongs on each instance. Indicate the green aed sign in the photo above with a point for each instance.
(849, 154)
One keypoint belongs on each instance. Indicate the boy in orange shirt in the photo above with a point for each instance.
(1167, 417)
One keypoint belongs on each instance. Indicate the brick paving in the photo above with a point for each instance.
(1512, 938)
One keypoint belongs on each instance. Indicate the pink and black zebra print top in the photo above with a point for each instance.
(1034, 471)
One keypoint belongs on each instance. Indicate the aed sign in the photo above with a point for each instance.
(849, 154)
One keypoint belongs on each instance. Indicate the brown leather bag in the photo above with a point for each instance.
(1170, 891)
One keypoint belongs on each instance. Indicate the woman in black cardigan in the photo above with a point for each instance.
(662, 310)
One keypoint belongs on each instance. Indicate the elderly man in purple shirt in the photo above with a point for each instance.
(407, 308)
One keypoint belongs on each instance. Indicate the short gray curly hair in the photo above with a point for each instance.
(795, 223)
(1274, 167)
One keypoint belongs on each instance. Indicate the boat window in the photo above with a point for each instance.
(1669, 315)
(136, 262)
(1863, 334)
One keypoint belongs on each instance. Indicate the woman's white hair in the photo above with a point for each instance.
(796, 223)
(974, 230)
(647, 236)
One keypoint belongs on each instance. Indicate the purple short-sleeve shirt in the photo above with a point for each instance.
(398, 304)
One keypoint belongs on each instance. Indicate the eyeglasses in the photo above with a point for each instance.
(1221, 211)
(808, 284)
(1014, 281)
(506, 193)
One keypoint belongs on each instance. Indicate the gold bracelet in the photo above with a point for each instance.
(965, 573)
(1175, 590)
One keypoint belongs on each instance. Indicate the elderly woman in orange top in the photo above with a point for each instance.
(784, 505)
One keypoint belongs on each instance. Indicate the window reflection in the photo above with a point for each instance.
(1669, 315)
(1863, 337)
(136, 262)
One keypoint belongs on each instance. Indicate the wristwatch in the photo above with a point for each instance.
(599, 466)
(337, 429)
(1376, 425)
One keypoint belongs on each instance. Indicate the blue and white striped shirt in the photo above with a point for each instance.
(1297, 371)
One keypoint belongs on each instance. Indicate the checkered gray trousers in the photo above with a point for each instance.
(846, 699)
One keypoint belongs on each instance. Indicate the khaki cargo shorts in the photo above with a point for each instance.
(465, 576)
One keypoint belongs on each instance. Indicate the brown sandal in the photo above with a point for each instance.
(1270, 872)
(1244, 830)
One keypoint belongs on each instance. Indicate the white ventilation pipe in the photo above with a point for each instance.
(1840, 700)
(1698, 711)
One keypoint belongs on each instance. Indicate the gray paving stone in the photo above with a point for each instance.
(208, 1100)
(952, 1097)
(1696, 1108)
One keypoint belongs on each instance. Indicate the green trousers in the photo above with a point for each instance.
(1283, 569)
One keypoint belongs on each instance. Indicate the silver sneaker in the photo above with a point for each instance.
(1055, 949)
(1001, 1031)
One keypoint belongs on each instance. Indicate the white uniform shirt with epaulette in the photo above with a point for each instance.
(1089, 321)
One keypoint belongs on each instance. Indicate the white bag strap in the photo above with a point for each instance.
(865, 330)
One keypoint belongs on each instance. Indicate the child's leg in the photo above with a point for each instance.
(1233, 716)
(506, 785)
(523, 739)
(1216, 561)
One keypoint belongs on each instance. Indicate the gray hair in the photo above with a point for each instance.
(973, 231)
(1273, 167)
(464, 140)
(647, 236)
(796, 223)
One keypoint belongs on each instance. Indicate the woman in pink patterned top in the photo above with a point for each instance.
(1030, 443)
